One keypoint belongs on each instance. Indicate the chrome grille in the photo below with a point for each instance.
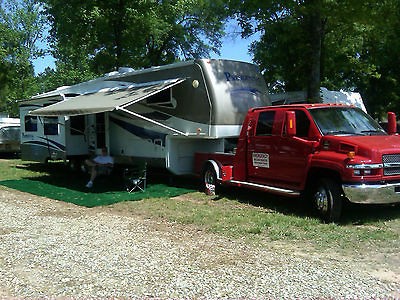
(391, 164)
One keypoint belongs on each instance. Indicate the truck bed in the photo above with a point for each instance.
(226, 159)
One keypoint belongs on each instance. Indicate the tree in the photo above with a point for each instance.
(105, 35)
(290, 48)
(20, 29)
(381, 53)
(309, 43)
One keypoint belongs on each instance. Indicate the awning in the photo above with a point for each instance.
(106, 100)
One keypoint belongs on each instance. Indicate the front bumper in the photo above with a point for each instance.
(372, 194)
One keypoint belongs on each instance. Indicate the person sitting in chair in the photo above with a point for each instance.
(99, 165)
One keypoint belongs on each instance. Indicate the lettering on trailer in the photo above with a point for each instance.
(240, 77)
(260, 160)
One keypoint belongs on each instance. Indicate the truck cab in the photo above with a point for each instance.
(327, 153)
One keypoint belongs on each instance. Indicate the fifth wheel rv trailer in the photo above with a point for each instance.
(327, 96)
(9, 135)
(162, 114)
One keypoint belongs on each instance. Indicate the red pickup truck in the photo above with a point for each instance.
(326, 153)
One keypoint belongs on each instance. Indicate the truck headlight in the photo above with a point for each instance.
(365, 169)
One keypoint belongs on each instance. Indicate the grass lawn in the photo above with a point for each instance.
(236, 213)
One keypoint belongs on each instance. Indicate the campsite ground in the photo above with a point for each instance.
(193, 246)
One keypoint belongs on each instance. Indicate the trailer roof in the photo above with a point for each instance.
(105, 100)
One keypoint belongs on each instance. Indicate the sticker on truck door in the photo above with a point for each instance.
(261, 160)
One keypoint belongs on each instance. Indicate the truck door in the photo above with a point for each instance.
(262, 147)
(293, 154)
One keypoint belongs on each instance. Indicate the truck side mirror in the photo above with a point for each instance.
(392, 124)
(249, 130)
(290, 123)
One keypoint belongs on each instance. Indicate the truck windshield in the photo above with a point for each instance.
(345, 121)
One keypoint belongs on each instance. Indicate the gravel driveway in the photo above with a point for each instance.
(59, 250)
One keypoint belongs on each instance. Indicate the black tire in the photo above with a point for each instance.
(209, 180)
(327, 200)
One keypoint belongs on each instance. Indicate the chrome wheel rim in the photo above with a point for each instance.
(209, 180)
(321, 199)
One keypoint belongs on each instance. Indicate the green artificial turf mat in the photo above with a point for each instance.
(100, 194)
(57, 181)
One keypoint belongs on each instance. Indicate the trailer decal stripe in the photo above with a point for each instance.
(41, 144)
(249, 90)
(47, 143)
(140, 131)
(57, 145)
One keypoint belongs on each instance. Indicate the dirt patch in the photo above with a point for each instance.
(384, 264)
(381, 263)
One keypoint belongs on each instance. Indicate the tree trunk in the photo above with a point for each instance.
(118, 31)
(316, 34)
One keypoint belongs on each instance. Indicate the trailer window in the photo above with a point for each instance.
(50, 125)
(265, 123)
(30, 123)
(77, 125)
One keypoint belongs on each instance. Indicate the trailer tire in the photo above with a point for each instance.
(209, 180)
(327, 199)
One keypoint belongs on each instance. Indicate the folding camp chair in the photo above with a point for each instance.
(135, 177)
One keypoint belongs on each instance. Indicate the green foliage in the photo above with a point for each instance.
(63, 76)
(90, 38)
(350, 44)
(381, 51)
(21, 26)
(359, 46)
(106, 35)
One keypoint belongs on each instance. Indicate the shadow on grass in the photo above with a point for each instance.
(359, 214)
(284, 205)
(355, 214)
(10, 155)
(59, 182)
(60, 175)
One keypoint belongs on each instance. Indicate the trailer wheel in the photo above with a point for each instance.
(327, 199)
(209, 180)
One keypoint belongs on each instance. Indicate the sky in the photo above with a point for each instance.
(235, 48)
(40, 64)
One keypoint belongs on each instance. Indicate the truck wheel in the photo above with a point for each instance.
(327, 199)
(210, 181)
